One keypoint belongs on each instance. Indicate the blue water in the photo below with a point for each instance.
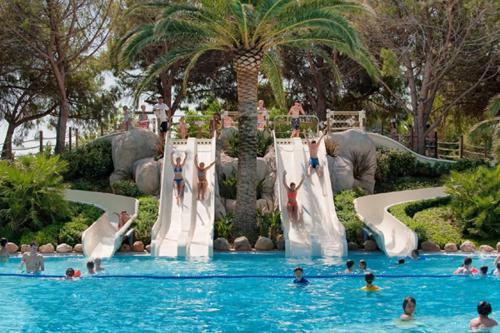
(257, 304)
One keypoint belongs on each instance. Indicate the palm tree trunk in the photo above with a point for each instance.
(247, 65)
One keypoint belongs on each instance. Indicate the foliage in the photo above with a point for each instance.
(127, 188)
(148, 214)
(46, 235)
(223, 227)
(71, 232)
(96, 185)
(31, 192)
(84, 213)
(269, 224)
(89, 162)
(344, 205)
(264, 140)
(475, 200)
(227, 186)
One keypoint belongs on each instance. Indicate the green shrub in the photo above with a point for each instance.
(344, 205)
(95, 185)
(127, 188)
(475, 200)
(264, 140)
(71, 232)
(224, 227)
(31, 192)
(227, 186)
(392, 164)
(148, 214)
(87, 214)
(48, 234)
(91, 161)
(269, 224)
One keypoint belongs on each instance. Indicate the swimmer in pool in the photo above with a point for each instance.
(369, 278)
(482, 321)
(32, 260)
(362, 265)
(91, 267)
(483, 270)
(71, 274)
(496, 272)
(401, 261)
(4, 253)
(409, 305)
(466, 268)
(350, 265)
(299, 276)
(98, 267)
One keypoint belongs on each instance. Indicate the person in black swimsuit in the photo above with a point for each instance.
(202, 177)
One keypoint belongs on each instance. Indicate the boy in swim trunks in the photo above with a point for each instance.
(313, 156)
(295, 112)
(299, 276)
(33, 260)
(483, 321)
(369, 278)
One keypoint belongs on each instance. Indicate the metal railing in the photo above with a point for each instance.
(343, 120)
(282, 126)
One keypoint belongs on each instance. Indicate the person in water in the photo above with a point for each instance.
(178, 177)
(362, 264)
(466, 268)
(91, 267)
(299, 276)
(401, 261)
(409, 306)
(98, 267)
(292, 205)
(349, 266)
(483, 321)
(483, 270)
(32, 260)
(4, 252)
(313, 156)
(496, 272)
(369, 278)
(72, 274)
(202, 177)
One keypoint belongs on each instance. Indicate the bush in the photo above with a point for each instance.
(49, 234)
(227, 186)
(148, 214)
(95, 185)
(87, 214)
(71, 232)
(475, 200)
(269, 224)
(392, 164)
(91, 161)
(344, 205)
(224, 227)
(127, 188)
(264, 140)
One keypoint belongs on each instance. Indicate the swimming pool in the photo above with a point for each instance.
(265, 302)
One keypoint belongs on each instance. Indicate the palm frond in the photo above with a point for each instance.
(271, 66)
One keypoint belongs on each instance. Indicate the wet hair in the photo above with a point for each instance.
(3, 242)
(467, 261)
(484, 308)
(349, 263)
(362, 262)
(298, 269)
(408, 299)
(70, 272)
(90, 265)
(292, 184)
(369, 277)
(484, 269)
(401, 261)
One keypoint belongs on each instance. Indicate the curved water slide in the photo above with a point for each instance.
(318, 232)
(103, 238)
(392, 236)
(384, 142)
(185, 229)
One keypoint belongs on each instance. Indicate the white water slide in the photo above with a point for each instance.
(392, 236)
(103, 238)
(318, 231)
(185, 230)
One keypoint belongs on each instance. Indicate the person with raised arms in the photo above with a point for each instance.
(178, 176)
(202, 177)
(292, 204)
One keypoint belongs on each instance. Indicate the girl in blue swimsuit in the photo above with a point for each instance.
(178, 177)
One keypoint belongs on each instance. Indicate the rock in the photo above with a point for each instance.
(220, 209)
(242, 244)
(228, 166)
(148, 248)
(280, 242)
(138, 246)
(451, 247)
(370, 245)
(428, 246)
(124, 248)
(225, 135)
(64, 248)
(47, 248)
(25, 248)
(264, 244)
(352, 246)
(78, 248)
(230, 206)
(486, 248)
(262, 169)
(265, 206)
(131, 146)
(270, 158)
(147, 173)
(268, 187)
(341, 173)
(468, 247)
(355, 146)
(498, 247)
(221, 244)
(12, 247)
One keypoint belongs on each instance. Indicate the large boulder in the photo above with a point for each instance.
(78, 248)
(342, 177)
(352, 246)
(64, 248)
(242, 244)
(451, 247)
(486, 248)
(220, 209)
(280, 242)
(225, 135)
(131, 146)
(25, 248)
(228, 166)
(138, 246)
(221, 244)
(370, 245)
(12, 247)
(46, 248)
(148, 248)
(468, 247)
(264, 244)
(147, 174)
(356, 147)
(231, 206)
(265, 206)
(428, 246)
(498, 247)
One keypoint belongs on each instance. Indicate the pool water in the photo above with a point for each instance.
(259, 298)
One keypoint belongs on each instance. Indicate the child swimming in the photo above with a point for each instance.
(369, 278)
(483, 321)
(91, 267)
(349, 264)
(299, 276)
(362, 265)
(466, 268)
(409, 305)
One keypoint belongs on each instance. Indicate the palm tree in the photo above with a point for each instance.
(251, 33)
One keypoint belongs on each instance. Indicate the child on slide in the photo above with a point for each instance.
(178, 177)
(313, 156)
(292, 205)
(202, 177)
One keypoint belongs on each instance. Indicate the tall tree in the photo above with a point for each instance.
(63, 33)
(251, 34)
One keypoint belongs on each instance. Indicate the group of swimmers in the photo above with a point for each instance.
(93, 267)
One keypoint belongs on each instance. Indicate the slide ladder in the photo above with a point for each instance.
(318, 231)
(185, 229)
